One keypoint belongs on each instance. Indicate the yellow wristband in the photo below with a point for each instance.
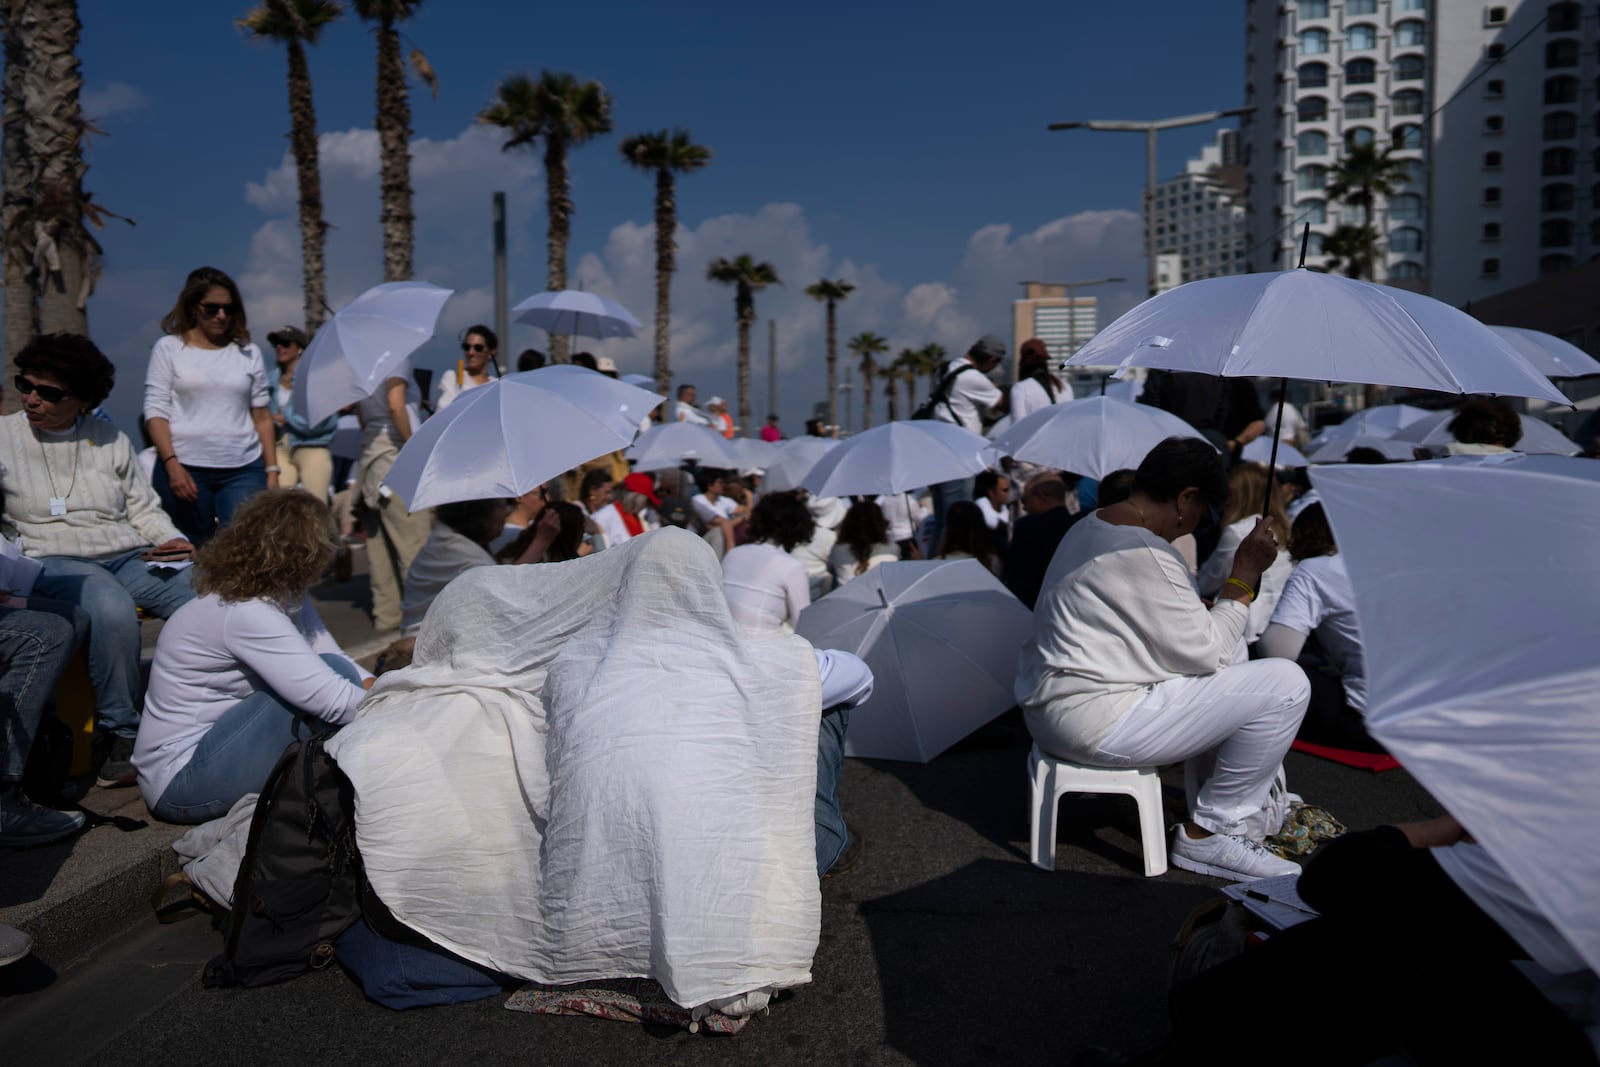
(1240, 583)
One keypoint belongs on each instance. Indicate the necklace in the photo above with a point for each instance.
(1143, 520)
(58, 502)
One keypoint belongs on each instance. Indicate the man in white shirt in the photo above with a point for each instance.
(715, 511)
(685, 409)
(968, 398)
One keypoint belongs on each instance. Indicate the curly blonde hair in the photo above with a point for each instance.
(279, 543)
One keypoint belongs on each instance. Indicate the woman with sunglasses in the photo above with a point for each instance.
(76, 498)
(479, 348)
(206, 407)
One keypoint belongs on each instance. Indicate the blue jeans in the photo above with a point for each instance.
(944, 494)
(832, 835)
(34, 650)
(238, 753)
(221, 490)
(110, 592)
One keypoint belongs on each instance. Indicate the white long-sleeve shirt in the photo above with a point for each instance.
(206, 394)
(1117, 613)
(766, 588)
(211, 655)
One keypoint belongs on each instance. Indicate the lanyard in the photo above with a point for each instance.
(58, 501)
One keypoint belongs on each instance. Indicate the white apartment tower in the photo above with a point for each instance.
(1199, 216)
(1492, 107)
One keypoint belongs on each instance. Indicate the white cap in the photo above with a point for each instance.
(714, 401)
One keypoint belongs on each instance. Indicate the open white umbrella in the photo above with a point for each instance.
(942, 638)
(1381, 421)
(1475, 584)
(1538, 436)
(362, 344)
(504, 438)
(642, 381)
(1091, 437)
(669, 444)
(794, 461)
(898, 457)
(751, 452)
(1554, 357)
(1260, 451)
(1334, 450)
(576, 314)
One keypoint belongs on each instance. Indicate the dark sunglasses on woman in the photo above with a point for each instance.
(48, 393)
(468, 346)
(209, 309)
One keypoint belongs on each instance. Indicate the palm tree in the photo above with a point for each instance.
(748, 278)
(394, 130)
(867, 345)
(1351, 250)
(667, 153)
(295, 24)
(934, 359)
(565, 112)
(1363, 174)
(830, 293)
(906, 366)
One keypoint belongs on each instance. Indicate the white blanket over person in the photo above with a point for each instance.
(589, 772)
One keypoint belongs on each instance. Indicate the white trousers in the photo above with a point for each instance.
(1230, 728)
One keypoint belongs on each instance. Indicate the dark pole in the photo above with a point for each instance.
(1283, 395)
(500, 325)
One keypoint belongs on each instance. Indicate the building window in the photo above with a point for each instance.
(1360, 106)
(1312, 143)
(1491, 268)
(1311, 178)
(1560, 126)
(1491, 194)
(1411, 5)
(1495, 52)
(1491, 231)
(1494, 123)
(1554, 264)
(1312, 75)
(1412, 170)
(1360, 38)
(1409, 34)
(1360, 72)
(1408, 68)
(1313, 9)
(1491, 161)
(1313, 42)
(1361, 7)
(1558, 161)
(1558, 196)
(1494, 89)
(1405, 207)
(1406, 270)
(1562, 89)
(1358, 137)
(1562, 53)
(1407, 102)
(1406, 239)
(1408, 136)
(1555, 233)
(1494, 16)
(1314, 245)
(1312, 109)
(1562, 18)
(1312, 211)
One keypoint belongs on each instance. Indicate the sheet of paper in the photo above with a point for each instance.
(1281, 907)
(17, 572)
(171, 564)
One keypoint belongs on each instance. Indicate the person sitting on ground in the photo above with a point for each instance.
(1484, 425)
(716, 511)
(675, 508)
(1128, 668)
(1033, 545)
(34, 649)
(967, 536)
(904, 515)
(1319, 600)
(459, 542)
(569, 541)
(816, 553)
(862, 543)
(1247, 488)
(247, 666)
(766, 587)
(524, 513)
(625, 518)
(75, 498)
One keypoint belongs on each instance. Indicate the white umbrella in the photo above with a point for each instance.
(1554, 357)
(504, 438)
(751, 452)
(669, 444)
(1538, 436)
(1091, 437)
(1318, 327)
(942, 638)
(642, 381)
(794, 461)
(1128, 389)
(897, 457)
(1260, 451)
(1475, 585)
(1334, 450)
(576, 313)
(362, 344)
(1381, 421)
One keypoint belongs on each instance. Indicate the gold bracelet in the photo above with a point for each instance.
(1240, 583)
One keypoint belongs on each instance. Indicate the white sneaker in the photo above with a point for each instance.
(1229, 856)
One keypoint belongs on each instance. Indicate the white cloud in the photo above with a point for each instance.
(113, 98)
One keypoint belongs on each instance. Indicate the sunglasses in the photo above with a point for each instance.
(468, 346)
(210, 310)
(48, 393)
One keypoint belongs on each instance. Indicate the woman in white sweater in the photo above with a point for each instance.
(246, 667)
(1128, 668)
(767, 588)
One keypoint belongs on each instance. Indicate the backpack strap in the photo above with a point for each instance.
(944, 391)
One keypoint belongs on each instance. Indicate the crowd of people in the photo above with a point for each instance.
(1173, 622)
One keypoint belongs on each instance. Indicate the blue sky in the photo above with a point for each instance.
(901, 146)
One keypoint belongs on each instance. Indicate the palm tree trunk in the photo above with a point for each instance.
(866, 393)
(16, 205)
(891, 393)
(666, 246)
(833, 366)
(303, 142)
(54, 128)
(747, 318)
(394, 144)
(558, 203)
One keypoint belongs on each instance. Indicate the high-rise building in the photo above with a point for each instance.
(1199, 216)
(1491, 108)
(1064, 323)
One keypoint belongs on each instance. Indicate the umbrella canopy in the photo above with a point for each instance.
(504, 438)
(1091, 437)
(898, 457)
(576, 313)
(362, 344)
(1335, 449)
(752, 452)
(793, 462)
(1554, 357)
(1538, 436)
(642, 381)
(942, 638)
(1318, 327)
(1381, 421)
(1260, 451)
(669, 444)
(1485, 692)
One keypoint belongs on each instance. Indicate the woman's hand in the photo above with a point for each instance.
(1434, 833)
(183, 486)
(171, 551)
(1257, 552)
(272, 479)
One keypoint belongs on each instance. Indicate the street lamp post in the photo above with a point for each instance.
(1150, 129)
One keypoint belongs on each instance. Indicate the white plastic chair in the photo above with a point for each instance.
(1052, 777)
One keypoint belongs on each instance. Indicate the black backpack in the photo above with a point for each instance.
(941, 395)
(299, 885)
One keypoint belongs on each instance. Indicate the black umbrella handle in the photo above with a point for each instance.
(1277, 434)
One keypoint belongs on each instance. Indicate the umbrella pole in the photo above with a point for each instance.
(1103, 379)
(1277, 435)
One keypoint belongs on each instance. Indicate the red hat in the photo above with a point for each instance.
(643, 484)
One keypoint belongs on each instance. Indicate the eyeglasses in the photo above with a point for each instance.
(48, 393)
(210, 310)
(468, 346)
